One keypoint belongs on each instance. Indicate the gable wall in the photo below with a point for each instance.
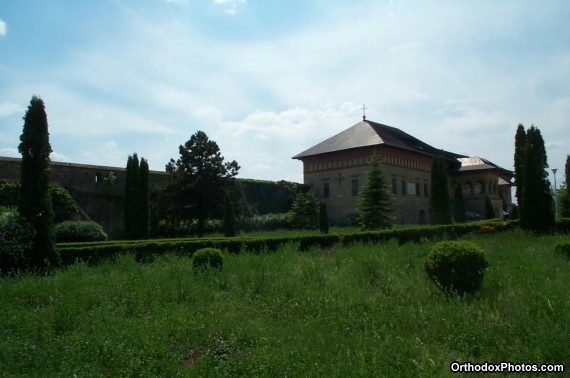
(408, 175)
(411, 172)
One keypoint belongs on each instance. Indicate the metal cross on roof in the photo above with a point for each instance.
(363, 112)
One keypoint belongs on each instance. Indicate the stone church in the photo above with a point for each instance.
(336, 169)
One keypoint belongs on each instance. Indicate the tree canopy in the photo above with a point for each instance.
(137, 208)
(439, 206)
(375, 199)
(35, 203)
(520, 141)
(536, 199)
(199, 178)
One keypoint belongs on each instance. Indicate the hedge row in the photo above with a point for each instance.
(148, 250)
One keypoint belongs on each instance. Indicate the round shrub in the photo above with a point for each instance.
(208, 258)
(456, 266)
(79, 231)
(16, 239)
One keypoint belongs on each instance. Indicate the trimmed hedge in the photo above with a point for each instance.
(208, 258)
(79, 231)
(148, 250)
(456, 266)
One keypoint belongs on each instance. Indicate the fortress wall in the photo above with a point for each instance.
(101, 199)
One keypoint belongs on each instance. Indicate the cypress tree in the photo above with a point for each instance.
(567, 184)
(133, 198)
(489, 211)
(144, 206)
(230, 228)
(439, 209)
(323, 218)
(520, 142)
(35, 203)
(458, 204)
(537, 203)
(375, 200)
(128, 197)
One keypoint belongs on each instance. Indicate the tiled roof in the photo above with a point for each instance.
(368, 133)
(476, 163)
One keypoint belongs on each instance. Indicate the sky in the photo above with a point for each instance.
(267, 79)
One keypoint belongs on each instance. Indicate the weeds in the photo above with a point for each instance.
(366, 310)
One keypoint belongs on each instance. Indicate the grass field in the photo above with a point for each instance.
(367, 310)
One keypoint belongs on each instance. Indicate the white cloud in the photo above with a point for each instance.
(230, 6)
(8, 108)
(3, 28)
(10, 152)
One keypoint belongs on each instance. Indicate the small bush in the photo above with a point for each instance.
(456, 266)
(563, 247)
(16, 239)
(208, 257)
(79, 231)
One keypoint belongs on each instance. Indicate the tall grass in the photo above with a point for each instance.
(367, 310)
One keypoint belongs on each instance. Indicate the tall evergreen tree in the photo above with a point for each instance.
(489, 211)
(375, 199)
(323, 218)
(35, 203)
(137, 208)
(458, 204)
(304, 211)
(439, 207)
(566, 206)
(230, 226)
(144, 206)
(198, 180)
(520, 142)
(537, 203)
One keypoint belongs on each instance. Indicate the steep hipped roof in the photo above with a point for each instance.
(368, 133)
(476, 163)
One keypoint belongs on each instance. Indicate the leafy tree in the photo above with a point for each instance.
(63, 206)
(520, 142)
(137, 208)
(537, 205)
(375, 199)
(230, 226)
(35, 204)
(439, 209)
(199, 179)
(458, 204)
(304, 211)
(323, 218)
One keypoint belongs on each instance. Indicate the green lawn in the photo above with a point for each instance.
(367, 310)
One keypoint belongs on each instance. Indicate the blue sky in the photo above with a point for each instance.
(267, 79)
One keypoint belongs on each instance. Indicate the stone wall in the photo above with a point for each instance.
(100, 199)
